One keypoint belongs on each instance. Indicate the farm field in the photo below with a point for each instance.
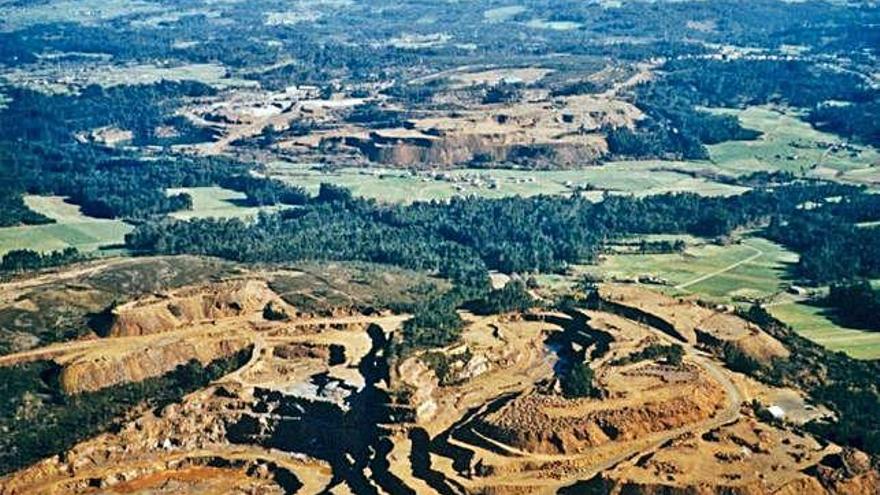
(640, 178)
(752, 270)
(810, 322)
(792, 145)
(215, 202)
(72, 229)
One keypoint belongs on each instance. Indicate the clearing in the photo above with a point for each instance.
(216, 202)
(72, 229)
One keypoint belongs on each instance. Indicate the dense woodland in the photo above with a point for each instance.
(856, 304)
(24, 260)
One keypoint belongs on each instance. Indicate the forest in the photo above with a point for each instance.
(23, 260)
(676, 128)
(855, 304)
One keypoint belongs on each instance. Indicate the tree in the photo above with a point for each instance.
(514, 296)
(578, 381)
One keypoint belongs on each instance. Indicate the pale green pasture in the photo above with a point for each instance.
(215, 202)
(789, 144)
(72, 229)
(640, 178)
(810, 322)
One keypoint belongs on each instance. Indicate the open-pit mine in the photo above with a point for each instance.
(321, 404)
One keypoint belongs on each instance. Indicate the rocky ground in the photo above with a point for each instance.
(320, 405)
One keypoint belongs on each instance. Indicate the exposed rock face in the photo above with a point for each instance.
(563, 132)
(555, 425)
(848, 472)
(688, 321)
(408, 151)
(422, 381)
(804, 486)
(723, 328)
(821, 481)
(89, 374)
(189, 306)
(183, 448)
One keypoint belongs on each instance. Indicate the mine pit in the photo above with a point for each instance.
(317, 406)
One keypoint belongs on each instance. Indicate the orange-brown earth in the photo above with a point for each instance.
(489, 420)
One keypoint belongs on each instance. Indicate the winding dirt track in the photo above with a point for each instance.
(66, 348)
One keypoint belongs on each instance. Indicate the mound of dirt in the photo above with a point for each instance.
(723, 328)
(188, 306)
(686, 320)
(747, 457)
(554, 425)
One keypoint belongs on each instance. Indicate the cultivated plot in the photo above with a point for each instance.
(71, 229)
(216, 202)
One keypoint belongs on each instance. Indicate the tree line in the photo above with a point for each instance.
(464, 238)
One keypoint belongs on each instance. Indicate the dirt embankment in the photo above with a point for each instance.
(408, 151)
(690, 322)
(189, 306)
(151, 336)
(97, 371)
(541, 131)
(555, 425)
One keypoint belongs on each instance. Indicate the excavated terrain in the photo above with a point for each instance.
(320, 406)
(689, 322)
(458, 126)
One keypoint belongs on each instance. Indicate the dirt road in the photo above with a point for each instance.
(708, 276)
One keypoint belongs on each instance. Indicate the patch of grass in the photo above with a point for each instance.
(788, 144)
(324, 287)
(215, 202)
(811, 322)
(553, 25)
(72, 229)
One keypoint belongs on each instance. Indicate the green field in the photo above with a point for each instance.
(389, 185)
(810, 322)
(751, 270)
(790, 144)
(72, 229)
(215, 202)
(754, 270)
